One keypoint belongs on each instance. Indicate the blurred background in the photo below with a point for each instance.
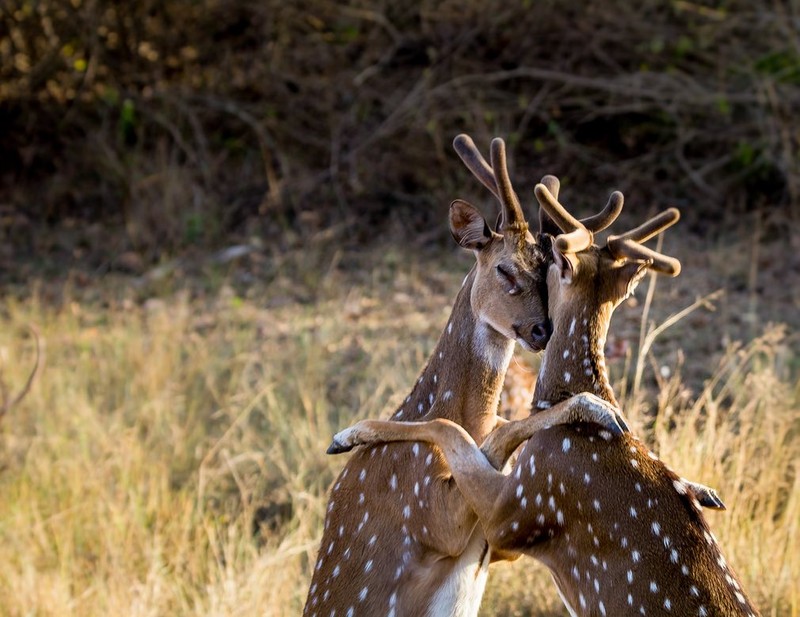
(226, 223)
(132, 132)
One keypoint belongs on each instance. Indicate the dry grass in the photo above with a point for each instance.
(132, 474)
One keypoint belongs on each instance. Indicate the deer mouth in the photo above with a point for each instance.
(529, 346)
(534, 338)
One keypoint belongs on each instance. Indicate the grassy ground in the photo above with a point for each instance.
(169, 460)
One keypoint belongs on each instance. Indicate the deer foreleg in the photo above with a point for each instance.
(584, 407)
(478, 483)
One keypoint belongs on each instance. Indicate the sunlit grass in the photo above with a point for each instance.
(170, 458)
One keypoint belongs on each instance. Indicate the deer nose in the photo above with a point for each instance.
(540, 333)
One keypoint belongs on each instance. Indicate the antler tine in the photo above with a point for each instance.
(553, 185)
(548, 202)
(513, 217)
(472, 158)
(627, 244)
(576, 237)
(600, 221)
(651, 228)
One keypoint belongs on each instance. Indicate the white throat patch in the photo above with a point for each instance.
(496, 350)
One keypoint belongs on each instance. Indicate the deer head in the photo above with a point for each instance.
(509, 284)
(621, 264)
(585, 284)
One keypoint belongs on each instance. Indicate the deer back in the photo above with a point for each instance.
(621, 532)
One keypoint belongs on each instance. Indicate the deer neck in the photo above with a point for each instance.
(464, 374)
(574, 360)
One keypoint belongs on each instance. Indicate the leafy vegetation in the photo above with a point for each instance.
(173, 123)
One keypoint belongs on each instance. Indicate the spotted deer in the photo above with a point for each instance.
(398, 537)
(620, 532)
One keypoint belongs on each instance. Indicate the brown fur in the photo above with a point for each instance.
(396, 521)
(619, 530)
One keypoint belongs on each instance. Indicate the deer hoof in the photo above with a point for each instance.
(344, 441)
(708, 497)
(604, 414)
(338, 448)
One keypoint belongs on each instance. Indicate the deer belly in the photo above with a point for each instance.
(462, 589)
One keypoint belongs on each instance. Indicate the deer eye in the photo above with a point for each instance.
(509, 281)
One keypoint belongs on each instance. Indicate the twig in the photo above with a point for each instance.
(649, 339)
(7, 405)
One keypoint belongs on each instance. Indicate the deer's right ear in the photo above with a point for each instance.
(567, 264)
(468, 226)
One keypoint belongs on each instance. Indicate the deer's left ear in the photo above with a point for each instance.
(567, 264)
(629, 276)
(468, 226)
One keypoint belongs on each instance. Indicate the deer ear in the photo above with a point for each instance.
(468, 226)
(498, 223)
(567, 264)
(629, 276)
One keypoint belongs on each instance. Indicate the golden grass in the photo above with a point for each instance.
(131, 476)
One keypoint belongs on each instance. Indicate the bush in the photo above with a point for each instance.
(176, 122)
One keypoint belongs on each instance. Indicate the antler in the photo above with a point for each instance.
(579, 235)
(628, 244)
(608, 215)
(468, 153)
(576, 237)
(513, 217)
(495, 178)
